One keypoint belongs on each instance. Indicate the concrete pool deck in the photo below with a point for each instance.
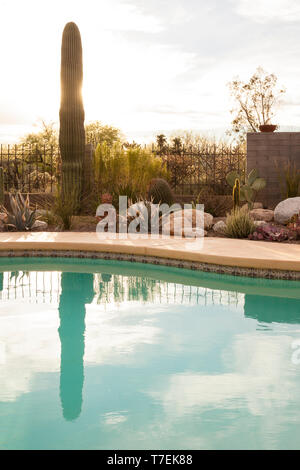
(208, 250)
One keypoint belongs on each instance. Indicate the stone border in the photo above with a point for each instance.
(192, 265)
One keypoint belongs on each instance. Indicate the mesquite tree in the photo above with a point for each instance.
(71, 115)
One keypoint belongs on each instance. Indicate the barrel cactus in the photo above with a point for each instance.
(160, 192)
(71, 115)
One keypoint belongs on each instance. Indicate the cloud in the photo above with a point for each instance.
(266, 11)
(256, 392)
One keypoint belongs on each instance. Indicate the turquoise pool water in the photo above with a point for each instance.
(115, 355)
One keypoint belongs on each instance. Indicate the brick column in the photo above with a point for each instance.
(263, 151)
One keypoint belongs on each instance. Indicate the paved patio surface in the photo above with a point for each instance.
(222, 251)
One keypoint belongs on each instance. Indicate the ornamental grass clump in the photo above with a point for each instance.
(118, 168)
(289, 179)
(239, 224)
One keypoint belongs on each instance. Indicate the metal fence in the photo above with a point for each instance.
(35, 169)
(192, 168)
(29, 169)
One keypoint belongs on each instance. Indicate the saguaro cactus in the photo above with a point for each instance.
(71, 114)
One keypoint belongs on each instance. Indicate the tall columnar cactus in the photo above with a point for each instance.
(1, 187)
(71, 114)
(236, 194)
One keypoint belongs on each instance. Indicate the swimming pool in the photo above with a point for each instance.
(99, 354)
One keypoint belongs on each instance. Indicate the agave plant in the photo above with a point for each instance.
(249, 188)
(21, 217)
(148, 214)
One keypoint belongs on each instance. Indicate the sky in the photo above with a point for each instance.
(150, 66)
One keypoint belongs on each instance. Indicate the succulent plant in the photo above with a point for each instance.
(271, 233)
(160, 192)
(249, 188)
(148, 213)
(21, 217)
(71, 113)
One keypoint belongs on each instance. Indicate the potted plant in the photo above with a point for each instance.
(268, 127)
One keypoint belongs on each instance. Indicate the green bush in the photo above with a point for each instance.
(116, 166)
(214, 204)
(239, 224)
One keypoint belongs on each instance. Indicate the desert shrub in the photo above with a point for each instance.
(239, 224)
(117, 166)
(49, 217)
(39, 181)
(289, 179)
(124, 190)
(65, 208)
(214, 204)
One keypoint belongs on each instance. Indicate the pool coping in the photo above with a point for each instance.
(220, 255)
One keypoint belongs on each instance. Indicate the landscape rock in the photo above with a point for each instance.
(217, 219)
(258, 223)
(285, 210)
(208, 220)
(219, 227)
(174, 223)
(40, 225)
(256, 205)
(266, 215)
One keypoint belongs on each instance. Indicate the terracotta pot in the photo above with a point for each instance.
(268, 128)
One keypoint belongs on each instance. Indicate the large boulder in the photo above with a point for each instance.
(262, 214)
(197, 222)
(285, 210)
